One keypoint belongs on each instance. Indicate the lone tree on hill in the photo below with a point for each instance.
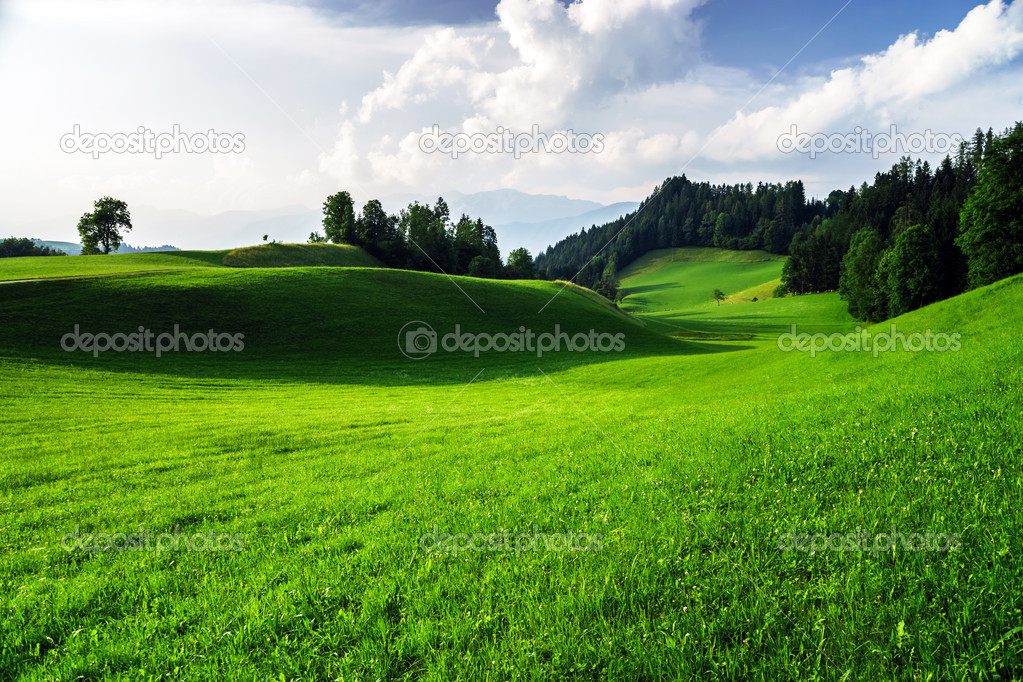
(100, 231)
(719, 296)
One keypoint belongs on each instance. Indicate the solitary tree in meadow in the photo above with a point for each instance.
(719, 296)
(100, 231)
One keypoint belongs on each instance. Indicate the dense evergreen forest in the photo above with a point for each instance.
(913, 236)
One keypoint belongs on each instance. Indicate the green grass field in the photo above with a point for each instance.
(336, 464)
(672, 290)
(79, 266)
(679, 279)
(264, 256)
(300, 255)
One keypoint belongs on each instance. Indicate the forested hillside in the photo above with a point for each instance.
(916, 235)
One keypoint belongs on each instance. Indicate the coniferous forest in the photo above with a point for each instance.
(913, 236)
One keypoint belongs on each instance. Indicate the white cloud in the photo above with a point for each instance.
(578, 55)
(541, 63)
(630, 70)
(279, 74)
(884, 87)
(445, 59)
(326, 106)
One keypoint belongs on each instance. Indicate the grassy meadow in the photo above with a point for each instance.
(117, 263)
(685, 278)
(277, 255)
(629, 513)
(272, 255)
(672, 290)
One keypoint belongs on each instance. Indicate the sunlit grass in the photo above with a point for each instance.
(332, 455)
(685, 278)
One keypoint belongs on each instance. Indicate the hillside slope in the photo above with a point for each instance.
(262, 256)
(672, 290)
(300, 255)
(692, 471)
(680, 279)
(346, 319)
(44, 267)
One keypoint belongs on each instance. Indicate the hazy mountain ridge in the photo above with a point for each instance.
(74, 249)
(532, 221)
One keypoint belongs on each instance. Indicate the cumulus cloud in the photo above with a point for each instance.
(630, 70)
(559, 56)
(445, 59)
(633, 71)
(542, 63)
(883, 88)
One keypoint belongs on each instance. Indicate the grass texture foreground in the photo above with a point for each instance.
(315, 505)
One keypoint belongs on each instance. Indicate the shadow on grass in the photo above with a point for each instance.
(338, 369)
(646, 288)
(315, 325)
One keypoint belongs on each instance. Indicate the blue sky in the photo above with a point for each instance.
(410, 12)
(332, 95)
(739, 33)
(751, 34)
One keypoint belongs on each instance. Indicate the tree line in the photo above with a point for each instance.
(421, 237)
(15, 247)
(684, 213)
(917, 235)
(914, 236)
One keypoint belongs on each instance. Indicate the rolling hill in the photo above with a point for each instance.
(276, 255)
(351, 316)
(265, 255)
(672, 291)
(629, 515)
(675, 279)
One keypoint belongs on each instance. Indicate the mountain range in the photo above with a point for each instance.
(532, 221)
